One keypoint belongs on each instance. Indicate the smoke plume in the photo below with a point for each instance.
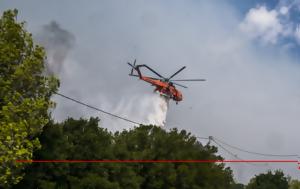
(57, 42)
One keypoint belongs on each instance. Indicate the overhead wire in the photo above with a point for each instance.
(226, 150)
(235, 155)
(98, 109)
(210, 138)
(256, 153)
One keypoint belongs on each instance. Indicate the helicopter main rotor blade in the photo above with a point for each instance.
(144, 65)
(180, 85)
(188, 80)
(177, 72)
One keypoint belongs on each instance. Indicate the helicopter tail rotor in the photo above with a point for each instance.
(133, 67)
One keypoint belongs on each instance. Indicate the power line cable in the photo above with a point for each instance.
(256, 153)
(98, 109)
(235, 155)
(226, 150)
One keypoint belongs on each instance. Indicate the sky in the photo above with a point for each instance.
(248, 51)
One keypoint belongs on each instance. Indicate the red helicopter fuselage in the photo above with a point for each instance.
(164, 88)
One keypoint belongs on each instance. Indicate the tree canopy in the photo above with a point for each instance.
(84, 139)
(294, 184)
(24, 96)
(276, 180)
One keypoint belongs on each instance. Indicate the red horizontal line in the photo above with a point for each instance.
(157, 161)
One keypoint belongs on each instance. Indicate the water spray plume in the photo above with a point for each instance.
(160, 108)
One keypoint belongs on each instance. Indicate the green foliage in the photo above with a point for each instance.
(77, 139)
(150, 142)
(24, 97)
(237, 186)
(269, 180)
(84, 139)
(294, 184)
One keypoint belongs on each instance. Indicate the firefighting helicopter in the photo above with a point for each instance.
(165, 86)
